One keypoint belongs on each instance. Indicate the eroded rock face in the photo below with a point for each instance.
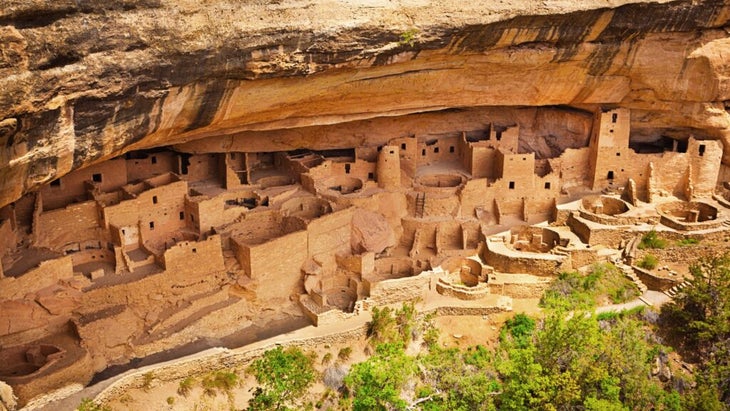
(86, 81)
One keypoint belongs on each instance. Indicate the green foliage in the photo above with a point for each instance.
(376, 383)
(700, 320)
(382, 328)
(616, 315)
(219, 381)
(327, 358)
(185, 386)
(88, 404)
(283, 377)
(568, 292)
(649, 262)
(147, 379)
(563, 362)
(458, 380)
(687, 242)
(170, 400)
(518, 328)
(345, 353)
(577, 364)
(390, 326)
(573, 291)
(652, 240)
(408, 37)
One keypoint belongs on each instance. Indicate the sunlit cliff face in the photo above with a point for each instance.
(82, 82)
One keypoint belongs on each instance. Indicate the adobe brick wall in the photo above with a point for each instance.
(112, 173)
(497, 255)
(572, 166)
(330, 234)
(276, 265)
(191, 258)
(399, 289)
(151, 165)
(653, 282)
(72, 224)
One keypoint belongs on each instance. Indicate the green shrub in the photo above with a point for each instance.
(223, 381)
(345, 353)
(327, 358)
(520, 328)
(649, 262)
(687, 241)
(147, 379)
(408, 37)
(185, 386)
(88, 404)
(283, 377)
(652, 240)
(170, 400)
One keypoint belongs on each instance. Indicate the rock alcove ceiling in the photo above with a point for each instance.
(84, 81)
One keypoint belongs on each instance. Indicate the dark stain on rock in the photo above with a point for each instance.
(128, 114)
(208, 105)
(33, 18)
(567, 32)
(629, 23)
(37, 128)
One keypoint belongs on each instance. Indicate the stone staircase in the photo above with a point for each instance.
(631, 275)
(672, 292)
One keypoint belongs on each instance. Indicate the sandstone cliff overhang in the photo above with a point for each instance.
(84, 81)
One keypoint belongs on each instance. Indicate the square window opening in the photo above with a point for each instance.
(96, 177)
(511, 185)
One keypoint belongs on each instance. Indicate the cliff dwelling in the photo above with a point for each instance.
(149, 251)
(178, 176)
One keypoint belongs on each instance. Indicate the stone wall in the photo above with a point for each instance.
(195, 258)
(72, 224)
(276, 264)
(46, 274)
(654, 282)
(106, 176)
(399, 289)
(497, 255)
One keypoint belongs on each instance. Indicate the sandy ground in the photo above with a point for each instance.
(469, 330)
